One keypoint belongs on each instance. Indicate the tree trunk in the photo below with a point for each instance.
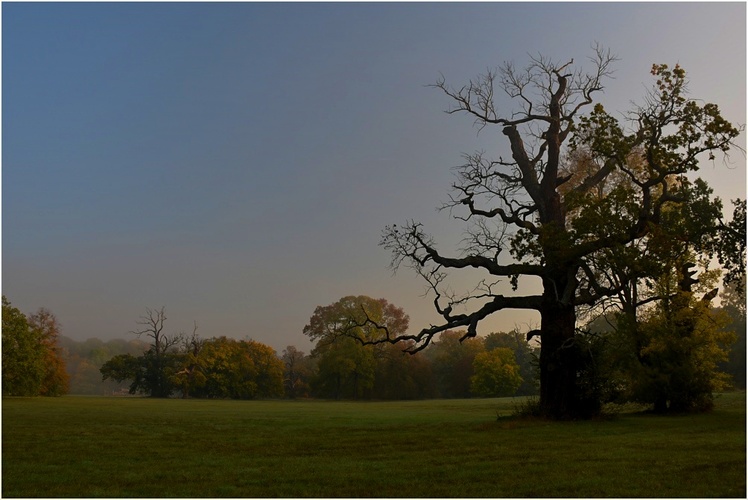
(561, 359)
(558, 391)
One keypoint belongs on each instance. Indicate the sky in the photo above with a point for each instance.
(236, 163)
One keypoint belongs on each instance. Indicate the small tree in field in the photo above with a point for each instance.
(523, 224)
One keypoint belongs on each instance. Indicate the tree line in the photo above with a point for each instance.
(179, 365)
(37, 360)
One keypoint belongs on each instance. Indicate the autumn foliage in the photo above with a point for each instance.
(33, 364)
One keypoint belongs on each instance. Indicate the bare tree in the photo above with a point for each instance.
(152, 326)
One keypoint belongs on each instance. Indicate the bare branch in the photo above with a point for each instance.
(423, 338)
(411, 244)
(152, 325)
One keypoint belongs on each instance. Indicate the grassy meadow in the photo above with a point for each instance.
(138, 447)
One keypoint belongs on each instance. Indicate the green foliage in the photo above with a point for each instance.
(345, 369)
(729, 246)
(124, 367)
(346, 364)
(150, 374)
(23, 354)
(526, 409)
(217, 368)
(652, 357)
(496, 373)
(298, 371)
(670, 357)
(238, 369)
(191, 374)
(733, 305)
(222, 368)
(525, 355)
(358, 317)
(681, 347)
(452, 362)
(32, 359)
(399, 375)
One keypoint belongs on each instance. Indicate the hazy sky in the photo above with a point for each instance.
(237, 162)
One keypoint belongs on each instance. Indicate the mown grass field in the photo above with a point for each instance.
(136, 447)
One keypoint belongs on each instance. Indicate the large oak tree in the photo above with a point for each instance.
(521, 221)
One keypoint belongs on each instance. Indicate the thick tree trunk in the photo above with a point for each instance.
(561, 359)
(558, 363)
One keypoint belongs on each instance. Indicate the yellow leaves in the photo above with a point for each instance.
(496, 373)
(686, 341)
(239, 369)
(359, 317)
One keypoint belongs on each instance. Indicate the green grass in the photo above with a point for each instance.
(135, 447)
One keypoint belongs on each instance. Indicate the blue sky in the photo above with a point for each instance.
(237, 162)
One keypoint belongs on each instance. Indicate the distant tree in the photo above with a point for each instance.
(346, 367)
(516, 203)
(214, 368)
(496, 373)
(729, 246)
(269, 369)
(298, 371)
(191, 373)
(452, 358)
(126, 367)
(23, 354)
(733, 305)
(399, 375)
(160, 364)
(45, 326)
(345, 370)
(358, 317)
(84, 359)
(524, 354)
(239, 369)
(155, 374)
